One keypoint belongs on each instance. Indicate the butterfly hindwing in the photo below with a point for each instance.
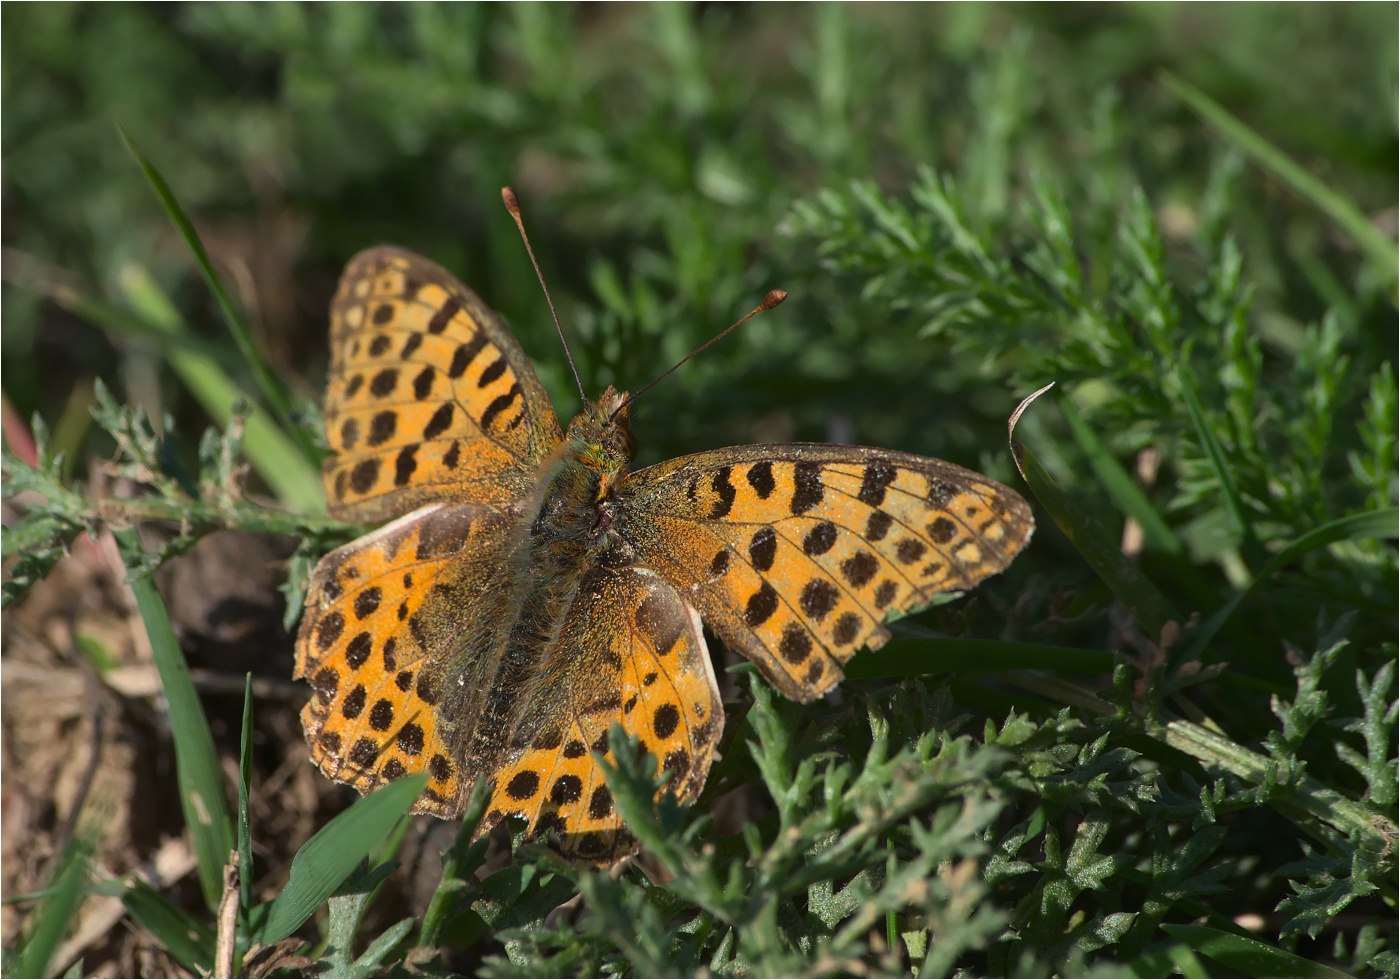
(797, 554)
(631, 652)
(429, 396)
(380, 613)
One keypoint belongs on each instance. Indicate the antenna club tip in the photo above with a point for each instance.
(774, 298)
(512, 202)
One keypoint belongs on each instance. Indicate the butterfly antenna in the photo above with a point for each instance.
(774, 298)
(513, 206)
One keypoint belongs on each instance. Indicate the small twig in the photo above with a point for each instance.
(228, 919)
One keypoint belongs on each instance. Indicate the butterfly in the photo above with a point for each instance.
(530, 589)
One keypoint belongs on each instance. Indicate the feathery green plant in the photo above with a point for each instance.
(1162, 743)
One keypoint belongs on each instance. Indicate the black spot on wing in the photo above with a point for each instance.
(423, 383)
(499, 405)
(440, 422)
(818, 596)
(367, 602)
(763, 548)
(760, 477)
(877, 477)
(444, 315)
(860, 568)
(820, 539)
(465, 353)
(724, 490)
(877, 525)
(807, 487)
(384, 383)
(795, 644)
(493, 371)
(405, 464)
(357, 651)
(942, 530)
(940, 493)
(364, 475)
(761, 605)
(381, 428)
(349, 433)
(329, 629)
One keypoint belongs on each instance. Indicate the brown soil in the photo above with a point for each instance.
(86, 747)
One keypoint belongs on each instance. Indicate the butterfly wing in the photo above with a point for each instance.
(429, 396)
(797, 554)
(378, 611)
(631, 651)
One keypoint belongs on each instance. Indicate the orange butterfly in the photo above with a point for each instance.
(534, 590)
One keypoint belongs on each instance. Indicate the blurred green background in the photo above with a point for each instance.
(963, 201)
(657, 150)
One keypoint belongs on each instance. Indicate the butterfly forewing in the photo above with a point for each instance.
(797, 554)
(429, 396)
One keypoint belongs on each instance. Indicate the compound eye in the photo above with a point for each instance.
(626, 442)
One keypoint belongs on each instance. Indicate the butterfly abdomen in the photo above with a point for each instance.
(549, 561)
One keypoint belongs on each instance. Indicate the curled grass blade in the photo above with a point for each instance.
(1120, 486)
(1372, 524)
(910, 657)
(272, 391)
(1381, 250)
(323, 863)
(196, 763)
(272, 454)
(1143, 599)
(1250, 956)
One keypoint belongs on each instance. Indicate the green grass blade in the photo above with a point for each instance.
(1251, 957)
(1120, 486)
(331, 855)
(1252, 550)
(51, 919)
(1143, 599)
(1372, 524)
(272, 454)
(1381, 250)
(272, 391)
(196, 763)
(459, 865)
(183, 936)
(910, 657)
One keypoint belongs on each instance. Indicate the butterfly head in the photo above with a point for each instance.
(604, 429)
(578, 502)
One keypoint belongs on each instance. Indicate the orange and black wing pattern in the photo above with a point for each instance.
(429, 396)
(631, 652)
(383, 614)
(798, 554)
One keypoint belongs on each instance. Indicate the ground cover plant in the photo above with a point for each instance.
(1162, 743)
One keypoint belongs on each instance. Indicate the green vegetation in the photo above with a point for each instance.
(1162, 743)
